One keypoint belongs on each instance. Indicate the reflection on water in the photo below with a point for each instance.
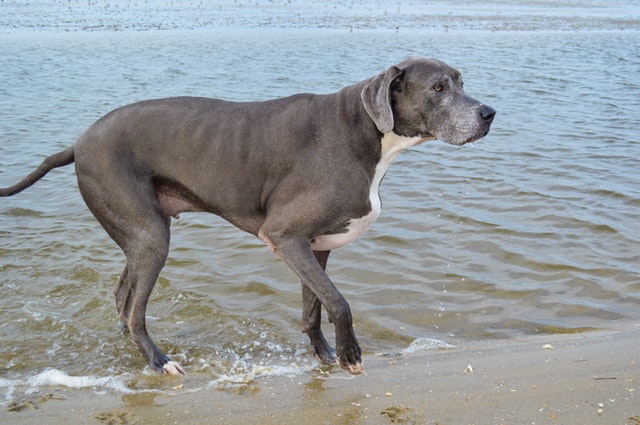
(532, 230)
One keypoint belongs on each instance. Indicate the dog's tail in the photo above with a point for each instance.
(59, 159)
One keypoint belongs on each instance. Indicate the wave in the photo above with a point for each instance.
(241, 373)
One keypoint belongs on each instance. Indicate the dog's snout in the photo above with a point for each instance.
(487, 113)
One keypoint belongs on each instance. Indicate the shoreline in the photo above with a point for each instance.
(570, 379)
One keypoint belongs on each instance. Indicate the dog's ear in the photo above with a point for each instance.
(376, 98)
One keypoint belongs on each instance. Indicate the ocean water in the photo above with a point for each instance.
(533, 230)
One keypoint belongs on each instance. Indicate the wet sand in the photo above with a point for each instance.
(589, 378)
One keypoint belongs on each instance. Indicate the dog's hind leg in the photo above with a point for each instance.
(129, 210)
(146, 250)
(144, 263)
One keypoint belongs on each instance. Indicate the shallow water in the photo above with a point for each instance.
(532, 230)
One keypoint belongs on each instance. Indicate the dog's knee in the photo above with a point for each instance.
(340, 313)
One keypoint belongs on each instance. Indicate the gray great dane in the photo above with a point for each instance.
(301, 173)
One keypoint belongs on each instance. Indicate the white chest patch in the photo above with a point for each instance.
(392, 145)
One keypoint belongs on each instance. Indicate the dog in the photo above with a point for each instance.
(301, 173)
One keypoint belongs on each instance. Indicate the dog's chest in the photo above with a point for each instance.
(392, 145)
(357, 226)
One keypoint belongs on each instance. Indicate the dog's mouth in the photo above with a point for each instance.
(483, 131)
(469, 128)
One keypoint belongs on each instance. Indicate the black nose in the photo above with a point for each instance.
(487, 113)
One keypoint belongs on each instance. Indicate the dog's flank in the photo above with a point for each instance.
(301, 173)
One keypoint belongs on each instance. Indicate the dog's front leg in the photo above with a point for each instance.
(312, 317)
(297, 253)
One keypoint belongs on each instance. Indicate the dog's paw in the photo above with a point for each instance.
(172, 368)
(350, 357)
(327, 355)
(354, 369)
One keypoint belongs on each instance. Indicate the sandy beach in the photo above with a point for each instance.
(562, 379)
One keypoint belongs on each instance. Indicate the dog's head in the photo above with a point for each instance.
(424, 98)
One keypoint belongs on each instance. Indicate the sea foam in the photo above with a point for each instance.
(57, 377)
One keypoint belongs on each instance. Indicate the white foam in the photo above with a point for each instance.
(242, 373)
(8, 383)
(60, 378)
(426, 344)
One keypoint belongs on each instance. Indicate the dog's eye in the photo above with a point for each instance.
(438, 87)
